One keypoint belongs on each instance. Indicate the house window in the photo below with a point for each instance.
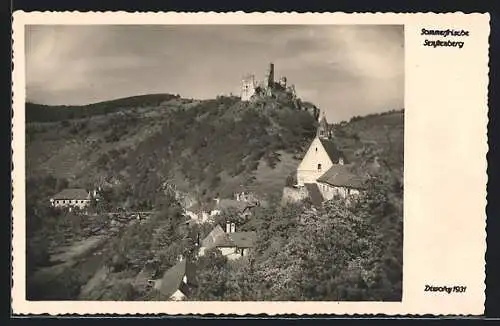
(319, 167)
(316, 149)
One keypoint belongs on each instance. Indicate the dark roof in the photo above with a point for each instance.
(331, 149)
(72, 193)
(342, 176)
(172, 279)
(218, 238)
(314, 194)
(224, 241)
(244, 239)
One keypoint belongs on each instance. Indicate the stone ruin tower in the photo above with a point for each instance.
(247, 87)
(270, 79)
(270, 76)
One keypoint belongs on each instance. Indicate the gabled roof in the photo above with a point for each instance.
(342, 176)
(314, 194)
(224, 241)
(211, 239)
(172, 279)
(218, 238)
(331, 149)
(72, 193)
(244, 239)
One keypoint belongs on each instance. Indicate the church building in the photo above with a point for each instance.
(321, 155)
(324, 173)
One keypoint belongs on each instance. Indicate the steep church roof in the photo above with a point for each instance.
(331, 149)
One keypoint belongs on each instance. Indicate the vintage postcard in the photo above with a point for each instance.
(260, 163)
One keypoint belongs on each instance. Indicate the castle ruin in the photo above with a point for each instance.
(248, 86)
(252, 90)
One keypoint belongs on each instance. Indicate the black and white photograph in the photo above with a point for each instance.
(214, 162)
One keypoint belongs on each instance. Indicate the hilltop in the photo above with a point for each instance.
(52, 113)
(138, 144)
(214, 145)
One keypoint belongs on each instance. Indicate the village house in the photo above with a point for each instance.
(177, 282)
(71, 198)
(232, 244)
(199, 213)
(340, 181)
(241, 205)
(323, 173)
(247, 196)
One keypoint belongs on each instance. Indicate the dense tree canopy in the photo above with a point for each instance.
(348, 250)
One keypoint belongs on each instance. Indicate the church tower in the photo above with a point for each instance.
(323, 131)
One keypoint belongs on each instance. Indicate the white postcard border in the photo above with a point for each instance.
(445, 123)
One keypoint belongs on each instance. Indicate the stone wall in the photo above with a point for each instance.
(292, 195)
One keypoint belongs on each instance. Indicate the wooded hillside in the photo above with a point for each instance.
(209, 148)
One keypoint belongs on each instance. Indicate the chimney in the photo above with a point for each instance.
(233, 227)
(217, 200)
(228, 227)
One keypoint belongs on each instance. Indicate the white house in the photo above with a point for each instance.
(340, 181)
(232, 244)
(73, 197)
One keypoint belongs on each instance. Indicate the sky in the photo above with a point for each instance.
(346, 70)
